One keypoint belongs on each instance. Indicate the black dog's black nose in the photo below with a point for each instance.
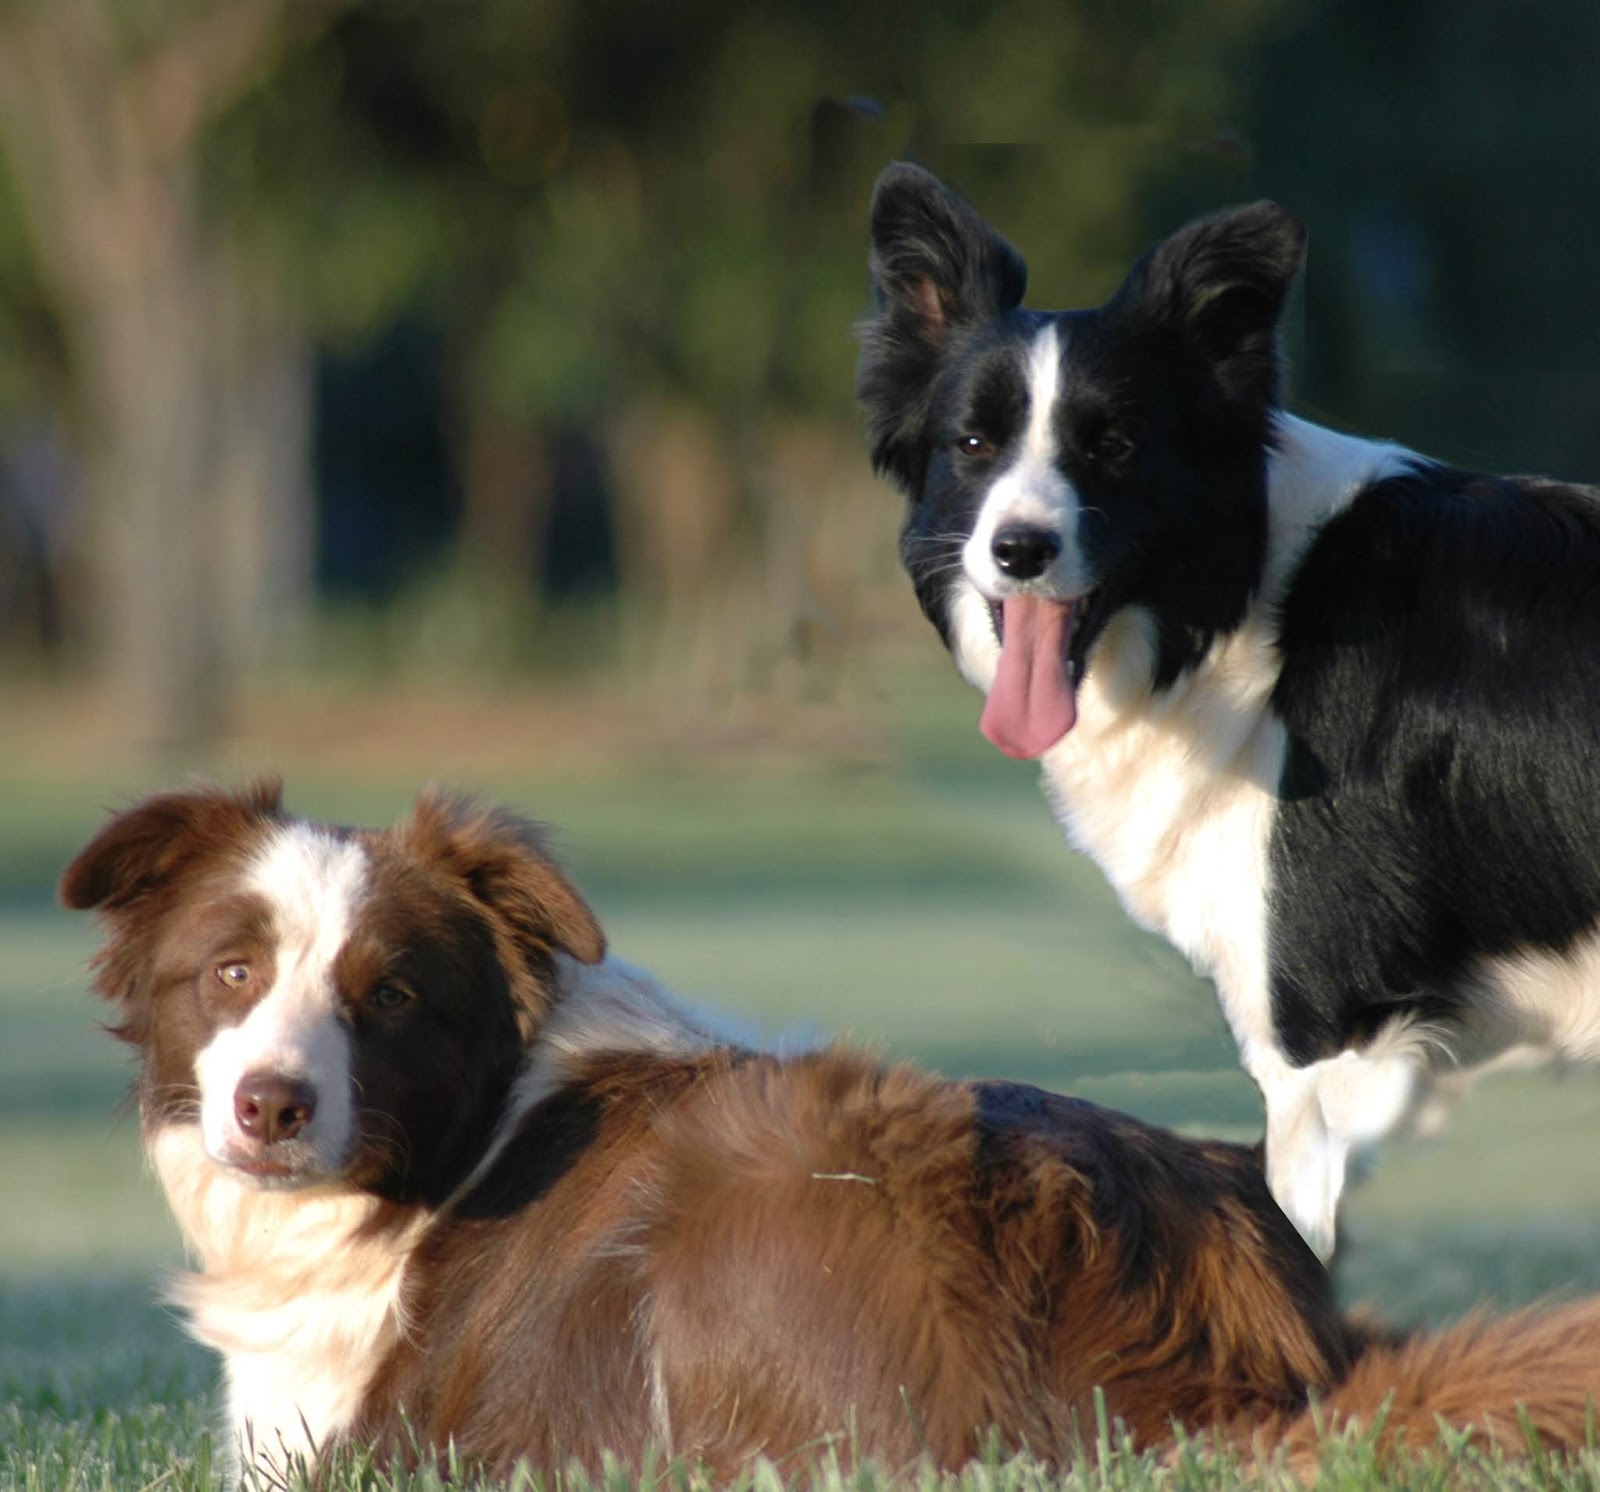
(1024, 552)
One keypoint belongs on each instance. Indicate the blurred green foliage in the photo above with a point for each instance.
(598, 197)
(640, 226)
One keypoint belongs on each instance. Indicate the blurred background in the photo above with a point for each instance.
(462, 390)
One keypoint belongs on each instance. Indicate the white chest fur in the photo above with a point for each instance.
(299, 1293)
(1173, 793)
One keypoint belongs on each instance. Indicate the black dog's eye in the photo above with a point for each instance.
(1112, 447)
(388, 997)
(974, 445)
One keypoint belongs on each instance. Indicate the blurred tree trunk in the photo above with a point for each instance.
(681, 551)
(264, 491)
(506, 526)
(162, 328)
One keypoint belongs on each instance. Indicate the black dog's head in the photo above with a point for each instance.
(1063, 467)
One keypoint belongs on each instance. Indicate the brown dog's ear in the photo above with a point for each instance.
(143, 847)
(502, 859)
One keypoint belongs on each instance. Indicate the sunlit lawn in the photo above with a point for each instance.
(925, 906)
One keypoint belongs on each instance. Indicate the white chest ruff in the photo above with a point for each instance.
(1173, 793)
(299, 1294)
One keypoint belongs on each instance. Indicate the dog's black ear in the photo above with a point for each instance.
(935, 262)
(936, 266)
(145, 846)
(503, 860)
(1224, 279)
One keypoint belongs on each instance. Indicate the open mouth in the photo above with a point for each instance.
(1074, 654)
(1032, 703)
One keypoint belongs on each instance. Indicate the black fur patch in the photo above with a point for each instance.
(1441, 805)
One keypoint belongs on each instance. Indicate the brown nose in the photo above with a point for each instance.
(271, 1107)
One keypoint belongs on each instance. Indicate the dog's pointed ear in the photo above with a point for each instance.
(145, 846)
(935, 262)
(503, 861)
(1225, 279)
(936, 266)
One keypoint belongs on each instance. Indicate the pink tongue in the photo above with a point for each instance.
(1030, 705)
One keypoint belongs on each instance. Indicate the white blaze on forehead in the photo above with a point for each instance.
(1044, 378)
(1032, 489)
(314, 884)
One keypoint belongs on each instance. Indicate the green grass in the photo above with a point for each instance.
(927, 907)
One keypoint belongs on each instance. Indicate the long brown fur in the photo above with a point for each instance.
(1502, 1377)
(724, 1252)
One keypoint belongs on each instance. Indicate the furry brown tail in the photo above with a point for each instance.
(1537, 1368)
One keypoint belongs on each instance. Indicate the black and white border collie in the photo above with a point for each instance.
(1327, 713)
(463, 1188)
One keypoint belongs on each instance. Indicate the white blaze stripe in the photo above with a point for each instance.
(1032, 489)
(314, 884)
(1044, 375)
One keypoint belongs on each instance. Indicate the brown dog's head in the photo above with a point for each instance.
(329, 1006)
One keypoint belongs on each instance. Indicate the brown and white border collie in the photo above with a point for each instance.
(454, 1177)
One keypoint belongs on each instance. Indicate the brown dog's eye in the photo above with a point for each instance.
(388, 997)
(233, 976)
